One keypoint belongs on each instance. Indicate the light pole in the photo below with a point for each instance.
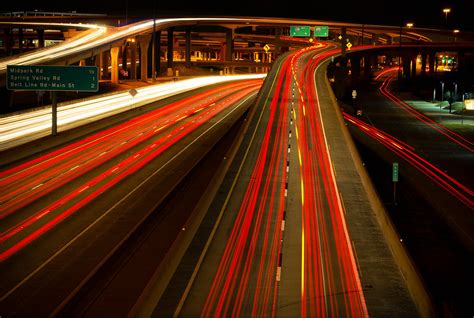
(400, 54)
(442, 92)
(446, 11)
(153, 44)
(456, 31)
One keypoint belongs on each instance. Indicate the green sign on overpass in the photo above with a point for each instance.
(321, 31)
(53, 78)
(300, 30)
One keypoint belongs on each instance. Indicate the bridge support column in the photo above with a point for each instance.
(432, 60)
(105, 64)
(133, 60)
(375, 39)
(343, 41)
(278, 32)
(367, 66)
(114, 57)
(7, 41)
(40, 33)
(98, 63)
(461, 62)
(20, 40)
(413, 66)
(355, 69)
(406, 66)
(229, 45)
(188, 47)
(144, 42)
(423, 64)
(125, 57)
(157, 56)
(169, 55)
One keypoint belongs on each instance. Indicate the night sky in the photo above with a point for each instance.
(424, 13)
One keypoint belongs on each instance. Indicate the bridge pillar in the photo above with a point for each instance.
(157, 56)
(367, 66)
(144, 42)
(423, 64)
(431, 62)
(188, 47)
(98, 63)
(229, 45)
(375, 39)
(133, 60)
(461, 61)
(20, 40)
(40, 33)
(125, 57)
(406, 62)
(355, 68)
(343, 41)
(114, 57)
(105, 64)
(413, 66)
(169, 55)
(7, 40)
(278, 32)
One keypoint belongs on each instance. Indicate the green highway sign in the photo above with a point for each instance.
(395, 172)
(300, 30)
(321, 31)
(53, 78)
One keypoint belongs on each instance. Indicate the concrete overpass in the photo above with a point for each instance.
(202, 40)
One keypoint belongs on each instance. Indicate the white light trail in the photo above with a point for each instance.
(22, 128)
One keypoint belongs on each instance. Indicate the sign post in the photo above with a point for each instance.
(395, 180)
(53, 79)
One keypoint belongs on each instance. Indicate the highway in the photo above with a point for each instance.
(279, 244)
(291, 231)
(18, 129)
(434, 192)
(53, 204)
(45, 55)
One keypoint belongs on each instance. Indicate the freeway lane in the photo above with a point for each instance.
(330, 279)
(53, 170)
(246, 247)
(21, 128)
(280, 243)
(167, 147)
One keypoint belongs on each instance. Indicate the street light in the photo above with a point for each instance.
(456, 31)
(442, 92)
(410, 24)
(446, 11)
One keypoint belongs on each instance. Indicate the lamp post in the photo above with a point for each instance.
(446, 11)
(400, 55)
(153, 44)
(442, 92)
(456, 31)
